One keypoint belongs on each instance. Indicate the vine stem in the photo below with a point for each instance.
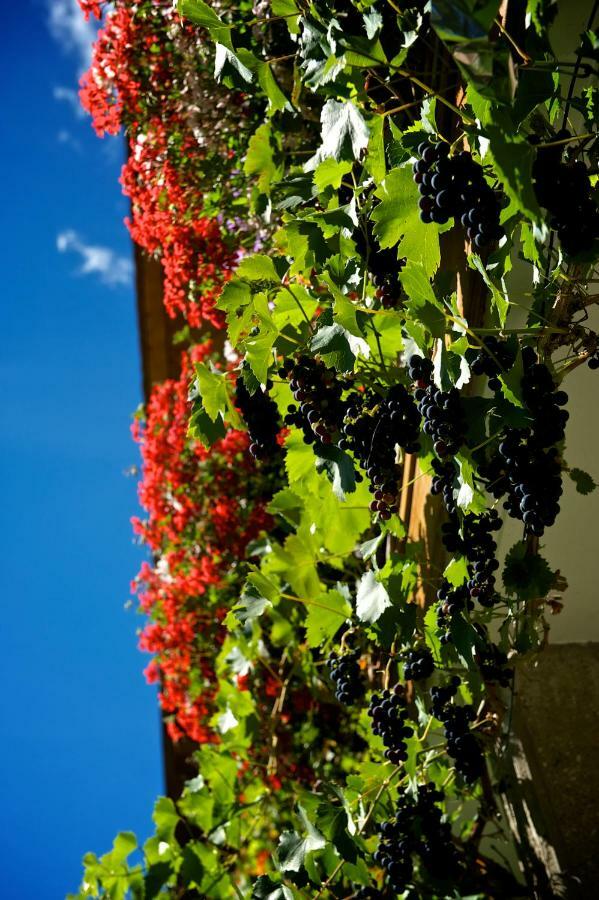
(306, 602)
(574, 76)
(521, 53)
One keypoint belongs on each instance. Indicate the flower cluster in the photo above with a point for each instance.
(199, 522)
(150, 75)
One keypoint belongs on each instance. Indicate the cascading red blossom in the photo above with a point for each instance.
(146, 75)
(109, 86)
(143, 72)
(91, 8)
(198, 529)
(195, 259)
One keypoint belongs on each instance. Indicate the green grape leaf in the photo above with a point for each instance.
(397, 221)
(369, 548)
(339, 468)
(583, 481)
(229, 69)
(372, 598)
(375, 157)
(288, 504)
(422, 302)
(202, 14)
(324, 621)
(344, 132)
(330, 173)
(266, 889)
(192, 868)
(334, 344)
(526, 575)
(293, 848)
(499, 298)
(212, 390)
(259, 594)
(198, 807)
(259, 352)
(461, 20)
(299, 459)
(257, 267)
(202, 428)
(456, 571)
(260, 160)
(277, 100)
(123, 846)
(464, 638)
(155, 878)
(513, 157)
(165, 817)
(333, 820)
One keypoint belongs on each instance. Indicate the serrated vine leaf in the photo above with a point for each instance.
(343, 131)
(293, 848)
(397, 221)
(212, 390)
(229, 69)
(266, 889)
(583, 481)
(372, 598)
(324, 621)
(513, 157)
(339, 467)
(257, 267)
(527, 575)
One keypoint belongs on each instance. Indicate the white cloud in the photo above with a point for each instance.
(68, 26)
(65, 137)
(112, 269)
(71, 98)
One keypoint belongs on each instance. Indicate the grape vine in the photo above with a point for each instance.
(397, 232)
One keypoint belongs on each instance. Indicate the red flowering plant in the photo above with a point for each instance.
(151, 74)
(200, 521)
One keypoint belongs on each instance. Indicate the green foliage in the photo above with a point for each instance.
(299, 778)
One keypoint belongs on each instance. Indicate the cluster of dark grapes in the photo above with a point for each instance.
(318, 391)
(390, 722)
(416, 829)
(420, 370)
(491, 360)
(443, 418)
(452, 600)
(593, 360)
(526, 467)
(456, 187)
(368, 893)
(530, 477)
(261, 416)
(383, 266)
(564, 189)
(419, 664)
(441, 410)
(492, 663)
(445, 472)
(473, 539)
(346, 674)
(372, 427)
(462, 745)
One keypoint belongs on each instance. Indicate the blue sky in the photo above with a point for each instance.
(80, 742)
